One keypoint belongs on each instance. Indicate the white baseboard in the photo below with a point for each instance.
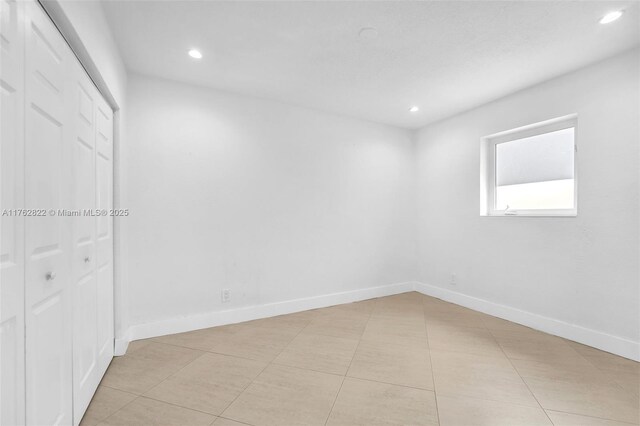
(122, 343)
(232, 316)
(606, 342)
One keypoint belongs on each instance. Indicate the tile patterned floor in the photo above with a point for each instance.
(399, 360)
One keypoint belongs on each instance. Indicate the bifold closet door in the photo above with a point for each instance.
(104, 233)
(56, 288)
(92, 242)
(85, 286)
(48, 132)
(12, 373)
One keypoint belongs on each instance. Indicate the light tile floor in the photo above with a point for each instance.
(399, 360)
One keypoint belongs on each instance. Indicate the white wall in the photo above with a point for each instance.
(85, 26)
(279, 202)
(582, 271)
(271, 201)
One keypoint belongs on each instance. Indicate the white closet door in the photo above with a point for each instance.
(12, 373)
(47, 250)
(56, 271)
(92, 259)
(86, 375)
(104, 261)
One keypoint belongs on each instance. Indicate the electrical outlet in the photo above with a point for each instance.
(454, 279)
(226, 295)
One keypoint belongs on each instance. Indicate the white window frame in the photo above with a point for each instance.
(488, 167)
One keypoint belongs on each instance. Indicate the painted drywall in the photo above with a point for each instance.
(582, 270)
(271, 201)
(587, 278)
(85, 27)
(443, 56)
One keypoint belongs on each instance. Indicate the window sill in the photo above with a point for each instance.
(569, 213)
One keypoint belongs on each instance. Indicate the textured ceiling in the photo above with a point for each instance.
(445, 57)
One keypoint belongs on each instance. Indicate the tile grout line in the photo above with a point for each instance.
(479, 398)
(433, 378)
(204, 352)
(350, 362)
(609, 379)
(120, 390)
(118, 410)
(236, 421)
(492, 334)
(162, 381)
(103, 419)
(593, 417)
(175, 372)
(258, 375)
(565, 342)
(272, 362)
(388, 383)
(520, 375)
(601, 370)
(209, 351)
(178, 405)
(308, 369)
(371, 314)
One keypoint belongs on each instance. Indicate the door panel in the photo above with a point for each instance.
(56, 282)
(47, 251)
(104, 193)
(12, 372)
(50, 400)
(85, 293)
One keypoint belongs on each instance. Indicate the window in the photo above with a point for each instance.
(530, 171)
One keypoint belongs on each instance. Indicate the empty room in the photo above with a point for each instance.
(288, 213)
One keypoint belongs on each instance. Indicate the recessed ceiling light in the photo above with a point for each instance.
(195, 54)
(414, 109)
(368, 33)
(611, 16)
